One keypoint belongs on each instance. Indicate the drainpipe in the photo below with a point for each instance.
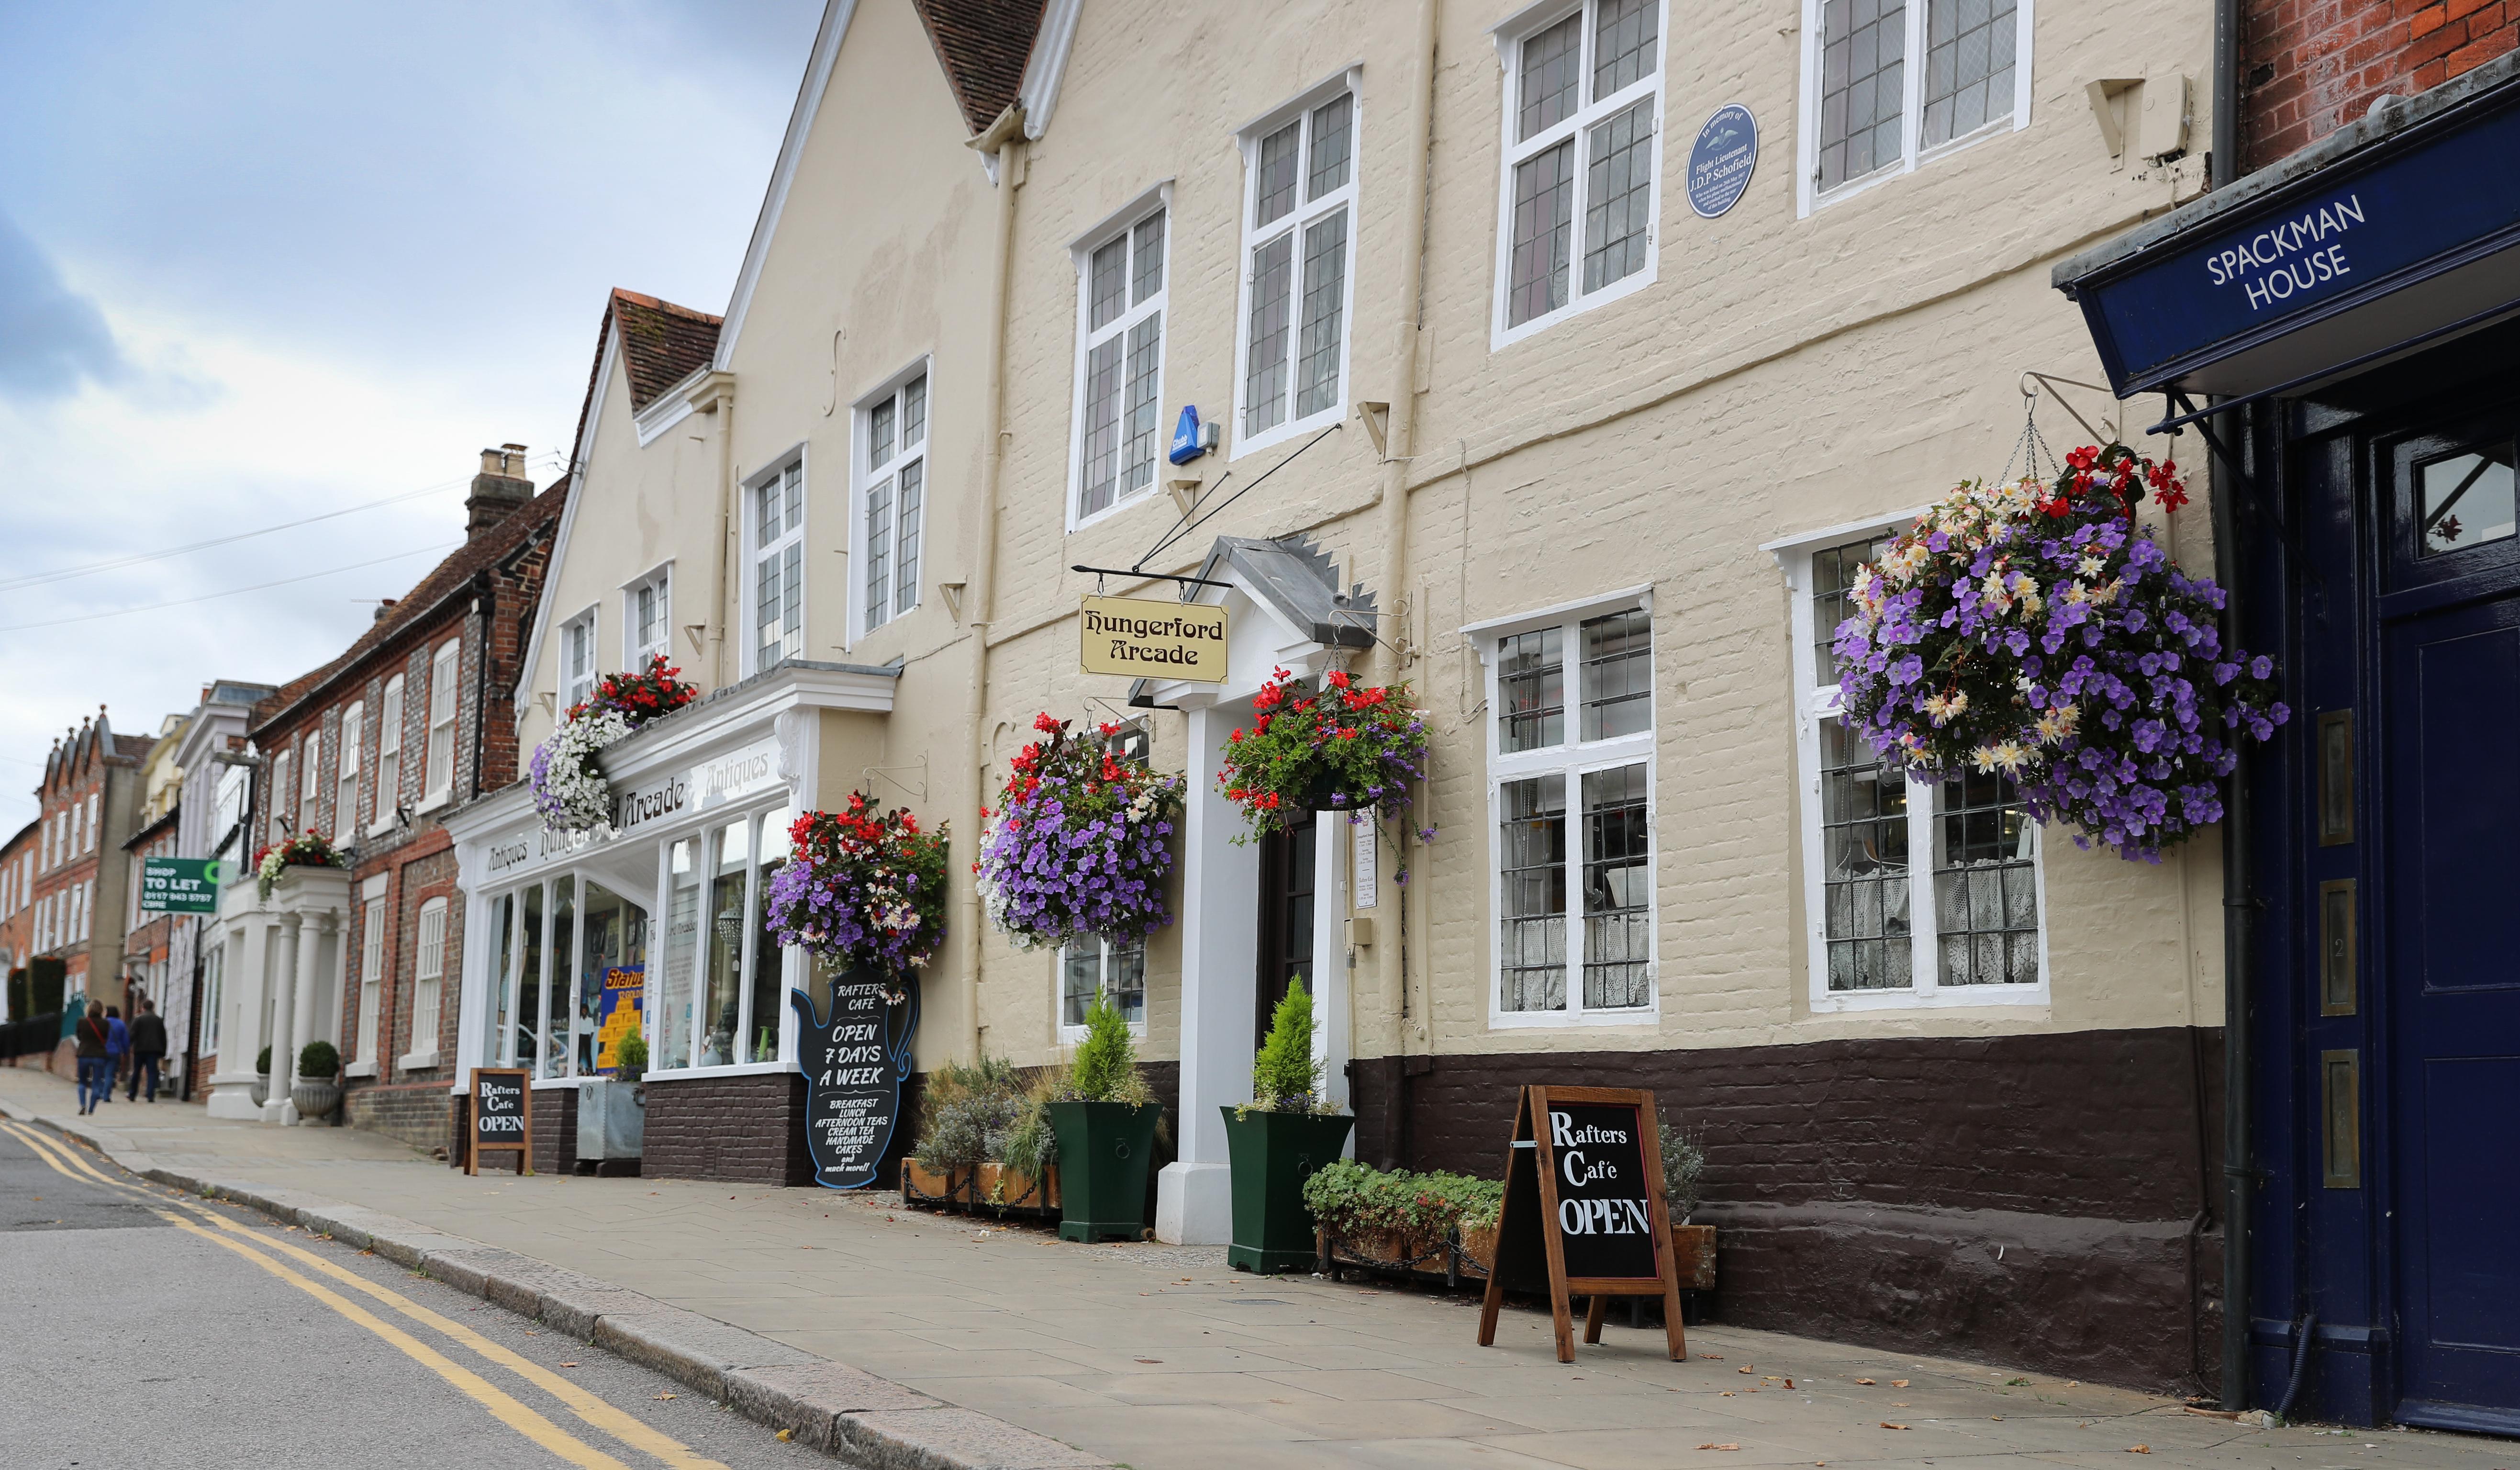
(1392, 959)
(1006, 138)
(719, 617)
(485, 596)
(2238, 957)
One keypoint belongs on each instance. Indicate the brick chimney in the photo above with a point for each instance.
(500, 488)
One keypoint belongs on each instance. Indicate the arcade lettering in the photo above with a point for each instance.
(2289, 257)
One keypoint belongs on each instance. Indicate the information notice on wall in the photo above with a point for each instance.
(854, 1059)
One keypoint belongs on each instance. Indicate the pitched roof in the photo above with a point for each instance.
(662, 343)
(983, 46)
(444, 580)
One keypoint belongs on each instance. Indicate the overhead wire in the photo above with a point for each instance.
(18, 628)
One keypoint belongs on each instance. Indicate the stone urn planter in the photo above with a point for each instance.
(1106, 1153)
(1274, 1154)
(315, 1099)
(261, 1092)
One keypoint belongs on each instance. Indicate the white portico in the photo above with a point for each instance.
(1254, 907)
(280, 960)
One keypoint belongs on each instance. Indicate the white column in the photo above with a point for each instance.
(284, 986)
(1333, 980)
(246, 959)
(1220, 958)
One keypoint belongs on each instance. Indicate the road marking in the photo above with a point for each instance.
(619, 1423)
(505, 1409)
(58, 1168)
(616, 1422)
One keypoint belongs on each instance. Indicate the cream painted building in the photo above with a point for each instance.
(1499, 414)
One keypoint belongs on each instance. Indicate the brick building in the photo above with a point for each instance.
(91, 797)
(17, 913)
(369, 752)
(2311, 67)
(149, 940)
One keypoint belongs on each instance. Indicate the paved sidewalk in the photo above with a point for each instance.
(1159, 1359)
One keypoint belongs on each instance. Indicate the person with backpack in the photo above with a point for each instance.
(95, 1068)
(117, 1045)
(148, 1049)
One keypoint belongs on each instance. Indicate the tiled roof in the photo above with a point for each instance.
(448, 576)
(662, 343)
(983, 46)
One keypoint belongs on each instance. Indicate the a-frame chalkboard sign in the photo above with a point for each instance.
(1584, 1212)
(503, 1117)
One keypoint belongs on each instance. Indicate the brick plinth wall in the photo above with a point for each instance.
(740, 1129)
(554, 1130)
(2311, 67)
(2037, 1200)
(413, 1112)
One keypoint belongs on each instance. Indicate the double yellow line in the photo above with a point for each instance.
(259, 1249)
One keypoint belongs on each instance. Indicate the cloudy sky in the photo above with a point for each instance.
(262, 262)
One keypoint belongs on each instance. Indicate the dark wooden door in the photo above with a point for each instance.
(1286, 884)
(2448, 616)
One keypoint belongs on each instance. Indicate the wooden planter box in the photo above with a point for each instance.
(1692, 1249)
(934, 1188)
(1013, 1191)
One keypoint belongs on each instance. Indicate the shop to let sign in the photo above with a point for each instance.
(1156, 640)
(179, 884)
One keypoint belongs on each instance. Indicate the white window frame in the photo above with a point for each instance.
(659, 584)
(429, 986)
(1815, 702)
(1574, 758)
(1069, 1035)
(1578, 124)
(575, 635)
(389, 722)
(346, 767)
(866, 475)
(215, 964)
(310, 781)
(1306, 213)
(282, 790)
(756, 550)
(1081, 251)
(792, 959)
(371, 977)
(445, 696)
(1912, 155)
(95, 826)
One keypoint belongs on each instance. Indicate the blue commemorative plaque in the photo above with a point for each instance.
(1720, 160)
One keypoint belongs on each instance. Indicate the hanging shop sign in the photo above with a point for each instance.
(2402, 236)
(503, 1117)
(179, 884)
(1157, 640)
(854, 1057)
(1722, 161)
(1584, 1212)
(617, 1013)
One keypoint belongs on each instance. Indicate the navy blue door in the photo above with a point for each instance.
(2450, 764)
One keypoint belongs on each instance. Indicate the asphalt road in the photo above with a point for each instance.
(146, 1328)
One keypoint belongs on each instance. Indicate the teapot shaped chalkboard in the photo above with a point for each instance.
(855, 1054)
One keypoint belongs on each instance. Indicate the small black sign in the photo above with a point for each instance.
(502, 1116)
(855, 1059)
(1584, 1212)
(1604, 1209)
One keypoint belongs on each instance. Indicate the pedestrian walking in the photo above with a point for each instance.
(95, 1068)
(148, 1049)
(117, 1045)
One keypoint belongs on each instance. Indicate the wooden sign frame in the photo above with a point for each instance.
(1531, 1204)
(523, 1148)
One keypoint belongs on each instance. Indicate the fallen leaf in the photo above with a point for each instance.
(2138, 1450)
(787, 1434)
(1995, 1418)
(1902, 1405)
(1712, 1356)
(1866, 1382)
(1719, 1446)
(569, 1364)
(1748, 1369)
(1727, 1394)
(1789, 1383)
(1151, 1359)
(1886, 1424)
(1898, 1383)
(670, 1396)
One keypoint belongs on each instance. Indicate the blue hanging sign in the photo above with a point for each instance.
(1186, 436)
(1722, 160)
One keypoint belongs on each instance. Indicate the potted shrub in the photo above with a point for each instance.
(1288, 1132)
(1394, 1218)
(318, 1090)
(1692, 1247)
(964, 1112)
(1024, 1175)
(1104, 1121)
(262, 1076)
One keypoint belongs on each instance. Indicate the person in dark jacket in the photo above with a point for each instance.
(117, 1045)
(148, 1049)
(95, 1068)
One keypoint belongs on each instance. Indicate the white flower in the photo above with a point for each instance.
(2004, 755)
(572, 794)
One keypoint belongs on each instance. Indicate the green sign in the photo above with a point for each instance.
(179, 884)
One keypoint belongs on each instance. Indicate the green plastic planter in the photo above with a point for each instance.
(1274, 1154)
(1106, 1153)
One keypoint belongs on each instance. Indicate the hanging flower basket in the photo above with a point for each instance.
(863, 889)
(1080, 843)
(2033, 629)
(306, 849)
(1341, 747)
(569, 788)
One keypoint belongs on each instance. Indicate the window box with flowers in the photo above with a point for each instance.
(569, 788)
(306, 850)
